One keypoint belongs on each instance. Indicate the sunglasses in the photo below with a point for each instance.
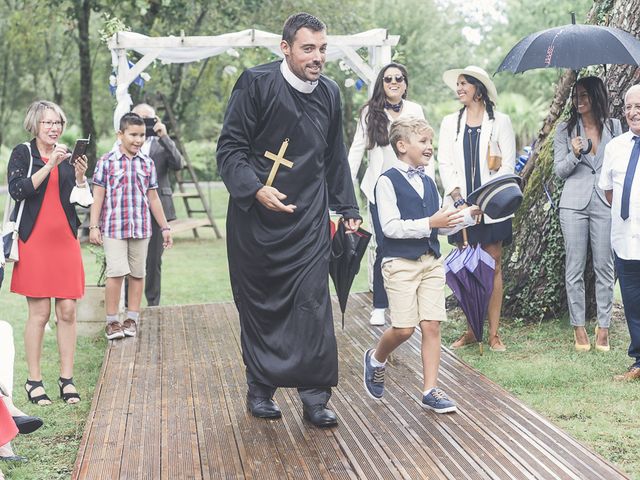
(397, 78)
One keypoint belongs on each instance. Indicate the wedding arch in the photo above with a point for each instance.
(186, 49)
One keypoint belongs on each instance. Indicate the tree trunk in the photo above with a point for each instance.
(533, 266)
(83, 14)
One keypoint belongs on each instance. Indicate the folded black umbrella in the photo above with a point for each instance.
(347, 250)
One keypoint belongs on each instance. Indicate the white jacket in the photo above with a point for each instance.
(451, 153)
(380, 158)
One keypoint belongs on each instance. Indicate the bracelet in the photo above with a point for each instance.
(91, 227)
(81, 185)
(166, 229)
(458, 203)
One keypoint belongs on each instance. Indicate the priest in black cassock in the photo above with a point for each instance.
(281, 155)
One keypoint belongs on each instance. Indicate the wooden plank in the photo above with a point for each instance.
(183, 224)
(171, 404)
(180, 454)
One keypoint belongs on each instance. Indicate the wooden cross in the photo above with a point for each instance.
(278, 160)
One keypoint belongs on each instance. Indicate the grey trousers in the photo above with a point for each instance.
(154, 266)
(579, 228)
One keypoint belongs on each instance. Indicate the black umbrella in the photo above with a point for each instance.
(347, 249)
(573, 46)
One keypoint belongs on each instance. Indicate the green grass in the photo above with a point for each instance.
(574, 390)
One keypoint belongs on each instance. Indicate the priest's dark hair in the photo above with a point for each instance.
(301, 20)
(129, 119)
(376, 119)
(594, 86)
(481, 94)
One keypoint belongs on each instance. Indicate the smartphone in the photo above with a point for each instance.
(149, 123)
(79, 149)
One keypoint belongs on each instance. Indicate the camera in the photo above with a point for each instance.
(149, 124)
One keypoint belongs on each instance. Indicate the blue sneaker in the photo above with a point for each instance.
(438, 401)
(373, 377)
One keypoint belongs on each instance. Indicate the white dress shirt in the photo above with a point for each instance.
(391, 222)
(625, 234)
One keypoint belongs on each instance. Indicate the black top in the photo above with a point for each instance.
(21, 188)
(472, 157)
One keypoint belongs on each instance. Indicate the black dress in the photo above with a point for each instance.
(482, 233)
(279, 262)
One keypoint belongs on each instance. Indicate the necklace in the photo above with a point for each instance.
(474, 147)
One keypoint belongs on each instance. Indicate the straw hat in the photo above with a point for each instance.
(450, 78)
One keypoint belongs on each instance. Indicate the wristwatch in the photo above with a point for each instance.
(458, 203)
(166, 229)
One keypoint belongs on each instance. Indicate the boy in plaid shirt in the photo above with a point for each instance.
(125, 196)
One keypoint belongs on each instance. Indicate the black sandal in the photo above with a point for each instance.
(63, 382)
(35, 384)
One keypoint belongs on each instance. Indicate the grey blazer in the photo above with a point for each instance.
(165, 156)
(580, 174)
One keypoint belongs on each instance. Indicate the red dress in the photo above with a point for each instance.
(50, 263)
(8, 429)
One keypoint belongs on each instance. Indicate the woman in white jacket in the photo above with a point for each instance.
(465, 163)
(387, 103)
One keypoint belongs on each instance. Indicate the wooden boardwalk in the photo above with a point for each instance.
(170, 405)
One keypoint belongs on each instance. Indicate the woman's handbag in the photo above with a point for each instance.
(494, 154)
(9, 227)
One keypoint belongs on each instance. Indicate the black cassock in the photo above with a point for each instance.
(279, 262)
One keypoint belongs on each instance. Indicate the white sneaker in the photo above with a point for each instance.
(377, 317)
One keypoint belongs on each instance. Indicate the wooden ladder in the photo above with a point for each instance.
(191, 222)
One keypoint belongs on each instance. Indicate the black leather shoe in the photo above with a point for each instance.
(27, 424)
(262, 407)
(319, 415)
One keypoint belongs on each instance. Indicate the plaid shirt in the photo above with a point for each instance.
(125, 211)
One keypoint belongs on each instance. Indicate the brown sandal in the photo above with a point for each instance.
(467, 338)
(496, 345)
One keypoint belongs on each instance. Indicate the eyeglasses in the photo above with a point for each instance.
(391, 78)
(49, 124)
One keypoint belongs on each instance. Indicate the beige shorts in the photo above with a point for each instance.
(415, 289)
(126, 256)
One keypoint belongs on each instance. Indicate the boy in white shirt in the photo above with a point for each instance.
(408, 209)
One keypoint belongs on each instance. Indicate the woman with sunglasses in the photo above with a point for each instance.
(50, 265)
(477, 144)
(388, 102)
(585, 214)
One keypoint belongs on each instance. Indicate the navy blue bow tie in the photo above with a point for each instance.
(393, 106)
(416, 171)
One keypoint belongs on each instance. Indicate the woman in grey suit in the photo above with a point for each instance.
(584, 212)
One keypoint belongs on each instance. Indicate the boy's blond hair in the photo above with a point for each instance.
(405, 128)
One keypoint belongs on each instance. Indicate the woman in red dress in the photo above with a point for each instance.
(50, 263)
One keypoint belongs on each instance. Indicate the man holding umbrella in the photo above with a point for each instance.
(620, 180)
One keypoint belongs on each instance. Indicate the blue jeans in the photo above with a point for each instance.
(629, 277)
(380, 299)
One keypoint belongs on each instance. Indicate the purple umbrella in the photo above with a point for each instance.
(469, 274)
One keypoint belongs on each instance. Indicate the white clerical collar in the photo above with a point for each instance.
(297, 83)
